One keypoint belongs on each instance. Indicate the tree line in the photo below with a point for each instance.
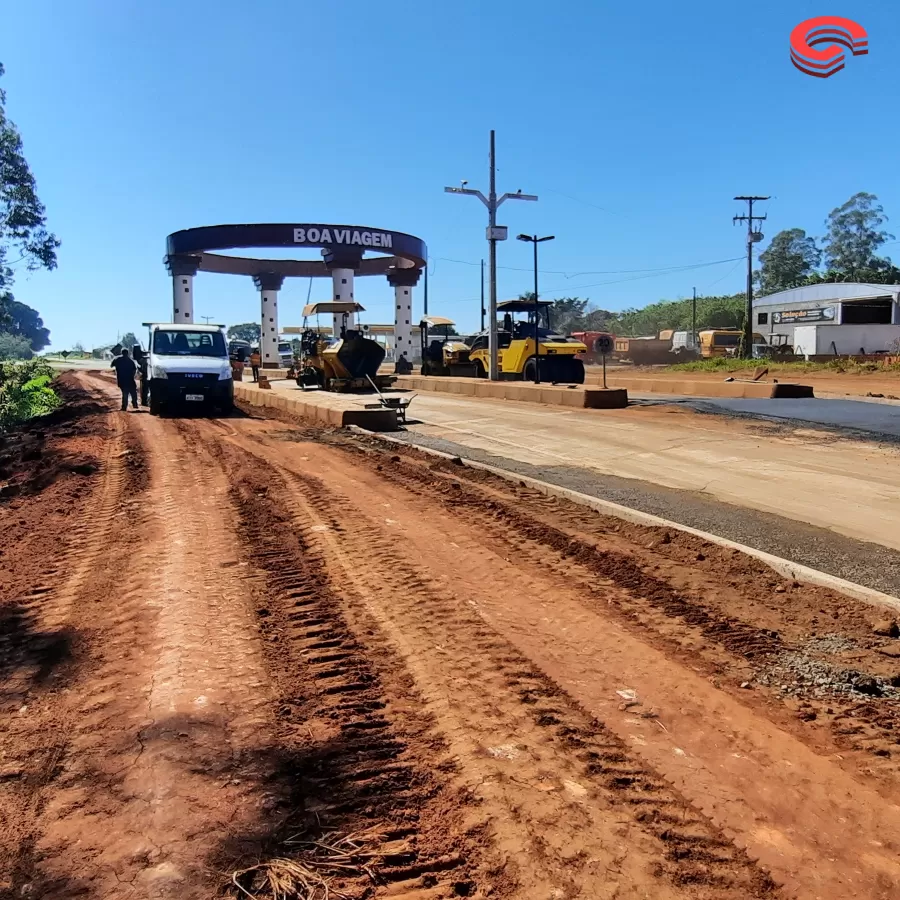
(574, 314)
(23, 233)
(849, 251)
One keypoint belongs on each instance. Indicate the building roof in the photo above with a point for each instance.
(832, 292)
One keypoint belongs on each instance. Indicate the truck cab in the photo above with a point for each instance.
(189, 367)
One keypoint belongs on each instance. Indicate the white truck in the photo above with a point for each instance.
(188, 367)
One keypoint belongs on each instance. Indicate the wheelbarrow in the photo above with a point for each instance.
(399, 404)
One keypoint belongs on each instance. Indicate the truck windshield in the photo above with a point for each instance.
(189, 343)
(726, 340)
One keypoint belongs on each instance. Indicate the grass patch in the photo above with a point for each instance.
(842, 366)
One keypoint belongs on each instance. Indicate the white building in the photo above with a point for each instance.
(831, 319)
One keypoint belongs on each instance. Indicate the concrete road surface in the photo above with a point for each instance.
(851, 487)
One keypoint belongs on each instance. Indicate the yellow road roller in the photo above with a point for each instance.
(443, 353)
(561, 358)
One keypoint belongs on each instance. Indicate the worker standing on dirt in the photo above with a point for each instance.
(142, 361)
(254, 364)
(125, 368)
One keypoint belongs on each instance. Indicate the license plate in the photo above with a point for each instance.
(197, 397)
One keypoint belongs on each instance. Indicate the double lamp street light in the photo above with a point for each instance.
(534, 239)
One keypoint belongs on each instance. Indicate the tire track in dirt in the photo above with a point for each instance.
(364, 753)
(811, 822)
(167, 752)
(686, 620)
(49, 613)
(579, 811)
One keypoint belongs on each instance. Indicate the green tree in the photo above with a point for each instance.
(855, 234)
(248, 331)
(128, 340)
(596, 319)
(567, 314)
(790, 257)
(23, 222)
(712, 312)
(24, 322)
(14, 347)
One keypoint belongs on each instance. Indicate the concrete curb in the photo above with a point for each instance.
(592, 396)
(783, 567)
(319, 410)
(579, 397)
(742, 390)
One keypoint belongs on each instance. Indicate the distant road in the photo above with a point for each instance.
(79, 364)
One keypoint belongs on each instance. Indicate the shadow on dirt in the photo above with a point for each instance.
(302, 791)
(20, 877)
(25, 648)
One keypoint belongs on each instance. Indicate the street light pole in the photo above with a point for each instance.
(534, 239)
(482, 295)
(494, 234)
(207, 318)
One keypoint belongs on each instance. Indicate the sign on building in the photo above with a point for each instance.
(802, 316)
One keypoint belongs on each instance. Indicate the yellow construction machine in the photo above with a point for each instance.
(561, 358)
(348, 363)
(443, 353)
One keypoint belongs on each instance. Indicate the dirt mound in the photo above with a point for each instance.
(39, 453)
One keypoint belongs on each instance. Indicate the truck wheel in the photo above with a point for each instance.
(155, 405)
(479, 369)
(530, 373)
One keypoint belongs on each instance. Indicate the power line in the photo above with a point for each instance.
(585, 202)
(649, 274)
(681, 267)
(726, 275)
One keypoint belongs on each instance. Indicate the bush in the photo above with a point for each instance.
(14, 347)
(25, 392)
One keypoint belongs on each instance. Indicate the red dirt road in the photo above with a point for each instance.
(246, 640)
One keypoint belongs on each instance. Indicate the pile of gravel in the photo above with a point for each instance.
(797, 671)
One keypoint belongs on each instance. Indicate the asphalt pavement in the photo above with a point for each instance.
(847, 415)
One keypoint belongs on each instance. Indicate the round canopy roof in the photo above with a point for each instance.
(341, 246)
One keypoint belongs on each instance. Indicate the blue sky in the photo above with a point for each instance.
(636, 123)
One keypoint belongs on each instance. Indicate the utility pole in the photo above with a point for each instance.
(494, 233)
(753, 237)
(694, 321)
(482, 295)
